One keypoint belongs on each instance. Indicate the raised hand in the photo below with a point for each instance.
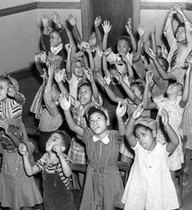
(45, 21)
(129, 26)
(141, 31)
(101, 80)
(23, 149)
(89, 74)
(11, 91)
(97, 21)
(121, 108)
(58, 150)
(56, 18)
(72, 20)
(107, 51)
(118, 77)
(106, 25)
(138, 111)
(64, 102)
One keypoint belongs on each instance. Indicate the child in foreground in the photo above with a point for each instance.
(57, 193)
(103, 186)
(150, 185)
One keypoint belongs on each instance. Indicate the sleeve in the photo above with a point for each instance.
(87, 135)
(50, 105)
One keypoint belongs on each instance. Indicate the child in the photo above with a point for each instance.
(174, 104)
(103, 186)
(56, 172)
(17, 190)
(149, 185)
(180, 44)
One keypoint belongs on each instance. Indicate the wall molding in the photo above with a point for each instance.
(39, 5)
(164, 5)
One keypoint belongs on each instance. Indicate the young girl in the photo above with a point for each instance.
(174, 103)
(180, 44)
(17, 190)
(57, 193)
(149, 185)
(103, 187)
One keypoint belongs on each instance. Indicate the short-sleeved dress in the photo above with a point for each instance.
(103, 186)
(175, 113)
(150, 185)
(16, 188)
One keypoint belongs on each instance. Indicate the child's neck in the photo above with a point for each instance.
(153, 146)
(86, 106)
(52, 157)
(102, 135)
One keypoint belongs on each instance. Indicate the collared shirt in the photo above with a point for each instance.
(105, 140)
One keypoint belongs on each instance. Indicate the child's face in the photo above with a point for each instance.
(92, 40)
(136, 90)
(174, 89)
(98, 123)
(121, 67)
(6, 142)
(122, 47)
(4, 86)
(180, 34)
(54, 139)
(84, 94)
(78, 71)
(55, 39)
(145, 138)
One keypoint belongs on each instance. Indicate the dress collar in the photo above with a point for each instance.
(105, 140)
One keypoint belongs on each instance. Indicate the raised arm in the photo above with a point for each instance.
(120, 111)
(29, 169)
(132, 38)
(174, 141)
(65, 105)
(131, 124)
(97, 23)
(186, 89)
(106, 28)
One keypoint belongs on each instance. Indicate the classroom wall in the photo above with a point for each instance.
(154, 13)
(20, 32)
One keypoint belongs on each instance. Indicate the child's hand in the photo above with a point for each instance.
(23, 149)
(55, 18)
(129, 26)
(107, 51)
(4, 125)
(58, 150)
(97, 21)
(89, 74)
(138, 111)
(151, 53)
(68, 47)
(164, 51)
(149, 77)
(164, 116)
(101, 80)
(51, 68)
(11, 91)
(72, 20)
(106, 25)
(121, 109)
(141, 31)
(45, 21)
(64, 102)
(60, 75)
(118, 77)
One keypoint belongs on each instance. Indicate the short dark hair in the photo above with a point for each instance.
(84, 83)
(125, 38)
(141, 126)
(66, 139)
(94, 109)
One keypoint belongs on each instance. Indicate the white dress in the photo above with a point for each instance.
(175, 113)
(150, 185)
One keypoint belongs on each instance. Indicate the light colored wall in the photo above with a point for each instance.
(19, 36)
(19, 40)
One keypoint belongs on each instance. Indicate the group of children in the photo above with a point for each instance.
(97, 107)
